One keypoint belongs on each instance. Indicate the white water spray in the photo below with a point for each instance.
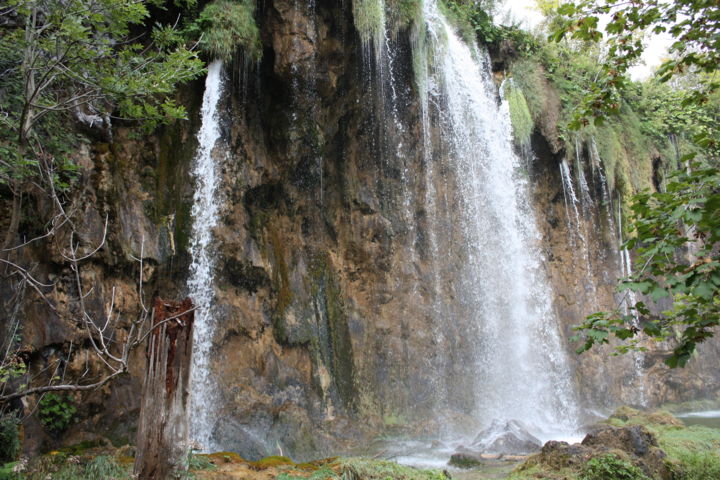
(521, 370)
(205, 213)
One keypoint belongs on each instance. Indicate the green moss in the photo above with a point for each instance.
(404, 13)
(332, 342)
(693, 452)
(227, 26)
(57, 466)
(522, 121)
(698, 466)
(677, 441)
(272, 462)
(183, 226)
(369, 18)
(9, 437)
(80, 448)
(6, 471)
(324, 473)
(224, 457)
(609, 466)
(528, 77)
(284, 294)
(463, 461)
(366, 469)
(538, 472)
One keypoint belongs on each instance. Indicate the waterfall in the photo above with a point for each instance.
(628, 301)
(520, 370)
(571, 199)
(205, 213)
(597, 166)
(585, 197)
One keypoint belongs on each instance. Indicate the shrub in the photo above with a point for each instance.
(610, 467)
(369, 18)
(9, 438)
(103, 466)
(56, 412)
(698, 466)
(522, 121)
(227, 26)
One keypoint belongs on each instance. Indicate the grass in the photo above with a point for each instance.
(369, 17)
(698, 466)
(227, 26)
(528, 77)
(538, 472)
(693, 451)
(63, 467)
(367, 469)
(520, 117)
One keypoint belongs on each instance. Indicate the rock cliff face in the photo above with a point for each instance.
(326, 291)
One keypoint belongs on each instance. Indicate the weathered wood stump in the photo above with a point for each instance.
(162, 437)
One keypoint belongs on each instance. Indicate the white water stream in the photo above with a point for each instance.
(520, 367)
(205, 214)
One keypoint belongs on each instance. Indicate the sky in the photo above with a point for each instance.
(656, 45)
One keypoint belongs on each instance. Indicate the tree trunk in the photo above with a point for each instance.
(162, 438)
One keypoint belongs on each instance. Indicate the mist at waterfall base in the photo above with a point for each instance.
(518, 369)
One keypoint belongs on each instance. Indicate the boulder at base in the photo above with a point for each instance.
(498, 440)
(509, 438)
(633, 443)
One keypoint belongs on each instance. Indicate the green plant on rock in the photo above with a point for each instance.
(226, 26)
(9, 437)
(684, 218)
(104, 466)
(369, 19)
(200, 462)
(58, 466)
(403, 13)
(520, 117)
(611, 467)
(56, 412)
(698, 466)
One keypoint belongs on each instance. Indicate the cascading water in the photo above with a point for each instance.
(629, 300)
(585, 197)
(599, 171)
(205, 213)
(520, 369)
(571, 199)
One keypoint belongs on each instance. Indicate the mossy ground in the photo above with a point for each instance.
(693, 453)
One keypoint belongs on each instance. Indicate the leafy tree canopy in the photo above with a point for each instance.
(693, 24)
(82, 57)
(676, 231)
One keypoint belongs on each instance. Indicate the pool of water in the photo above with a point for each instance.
(708, 418)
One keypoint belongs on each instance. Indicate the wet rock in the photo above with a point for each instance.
(465, 460)
(509, 438)
(634, 443)
(496, 442)
(635, 439)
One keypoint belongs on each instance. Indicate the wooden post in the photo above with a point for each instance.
(162, 437)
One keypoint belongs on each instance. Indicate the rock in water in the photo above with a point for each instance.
(499, 440)
(510, 438)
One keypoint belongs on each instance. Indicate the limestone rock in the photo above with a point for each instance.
(508, 438)
(635, 443)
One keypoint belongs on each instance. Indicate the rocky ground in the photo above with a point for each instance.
(629, 445)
